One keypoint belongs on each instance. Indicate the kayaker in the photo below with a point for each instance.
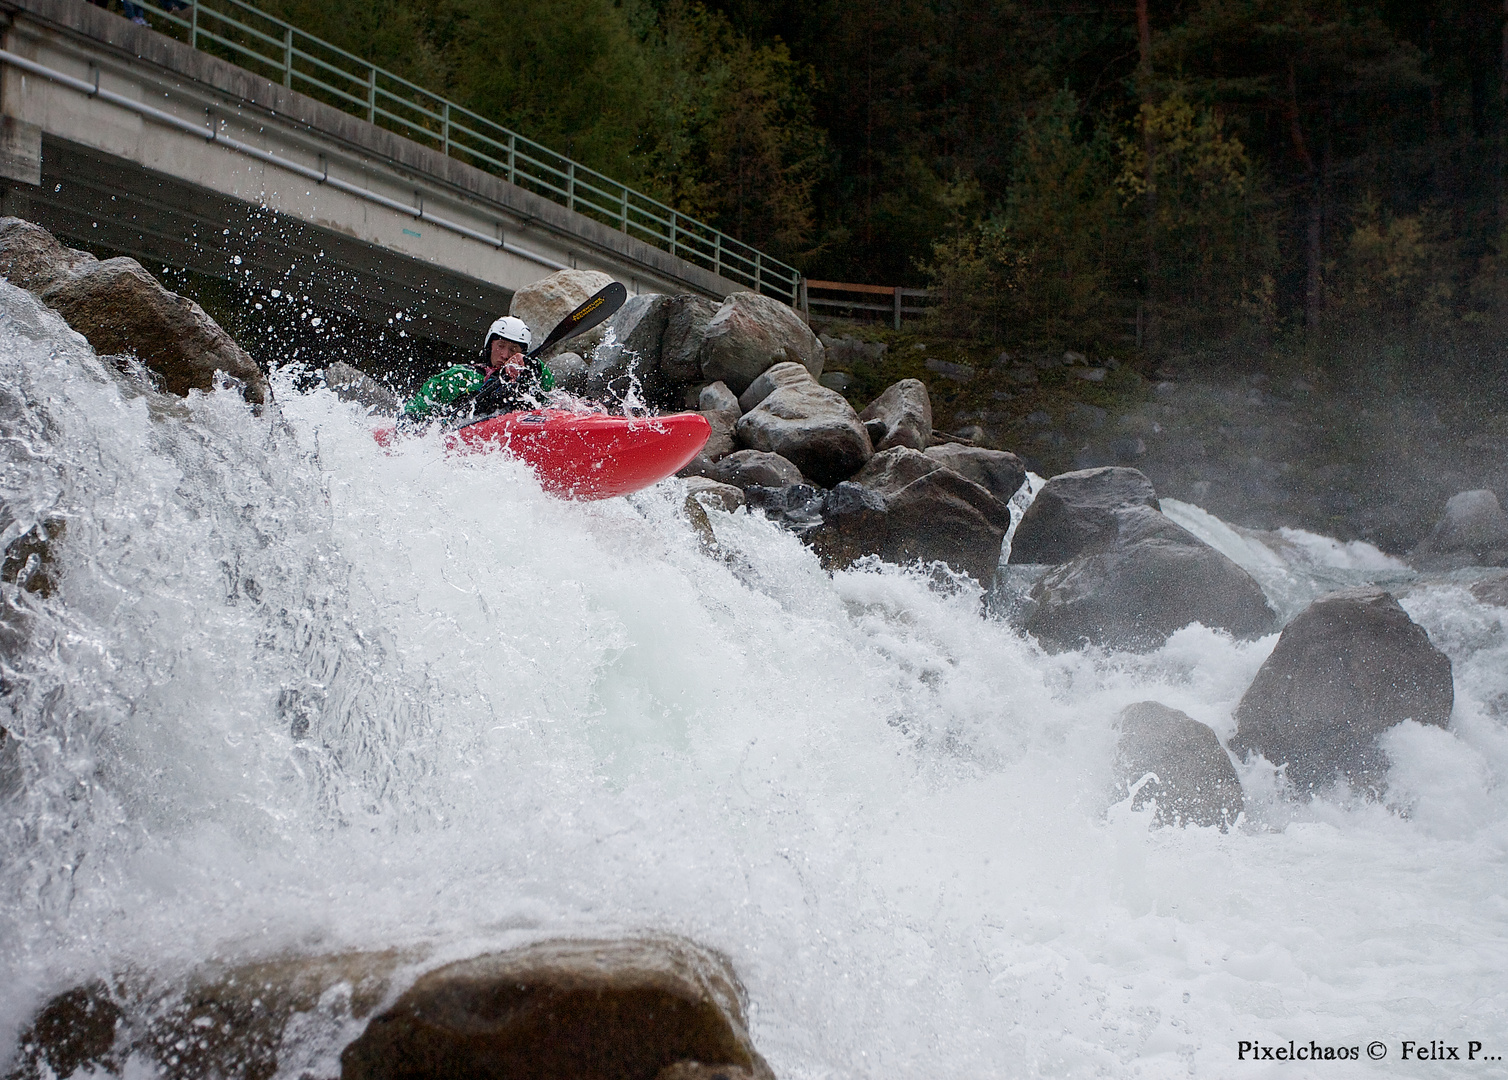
(502, 379)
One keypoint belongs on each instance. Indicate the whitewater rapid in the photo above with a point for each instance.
(292, 693)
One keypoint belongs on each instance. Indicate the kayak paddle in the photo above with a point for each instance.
(591, 313)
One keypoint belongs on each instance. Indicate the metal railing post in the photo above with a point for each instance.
(194, 26)
(372, 94)
(758, 267)
(672, 232)
(625, 208)
(570, 185)
(512, 158)
(445, 130)
(897, 307)
(287, 57)
(717, 255)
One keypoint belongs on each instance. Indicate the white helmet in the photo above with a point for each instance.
(510, 329)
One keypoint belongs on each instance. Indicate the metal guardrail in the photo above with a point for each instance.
(269, 46)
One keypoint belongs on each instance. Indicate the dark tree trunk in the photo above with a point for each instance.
(1149, 156)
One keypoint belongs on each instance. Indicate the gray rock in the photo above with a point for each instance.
(847, 351)
(121, 308)
(570, 370)
(786, 373)
(1076, 513)
(589, 1010)
(543, 303)
(717, 397)
(720, 443)
(1473, 531)
(901, 416)
(812, 426)
(1132, 588)
(997, 471)
(841, 381)
(33, 259)
(1195, 782)
(749, 333)
(350, 384)
(905, 506)
(757, 468)
(630, 345)
(710, 492)
(1492, 590)
(1348, 668)
(949, 370)
(686, 319)
(798, 507)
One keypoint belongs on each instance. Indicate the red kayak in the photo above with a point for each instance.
(586, 455)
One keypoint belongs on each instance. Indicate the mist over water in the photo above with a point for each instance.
(291, 693)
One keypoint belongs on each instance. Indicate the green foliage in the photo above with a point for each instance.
(1045, 265)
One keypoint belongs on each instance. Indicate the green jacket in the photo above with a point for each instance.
(453, 384)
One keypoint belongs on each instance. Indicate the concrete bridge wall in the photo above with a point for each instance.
(188, 160)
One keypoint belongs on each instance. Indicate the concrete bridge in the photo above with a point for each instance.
(362, 191)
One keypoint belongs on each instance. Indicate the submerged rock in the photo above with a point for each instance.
(1138, 585)
(349, 384)
(901, 416)
(751, 332)
(1195, 783)
(710, 492)
(563, 1010)
(904, 506)
(1076, 512)
(812, 426)
(1473, 531)
(1348, 668)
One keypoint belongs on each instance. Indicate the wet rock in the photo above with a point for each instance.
(1473, 531)
(721, 442)
(1492, 590)
(1349, 667)
(904, 506)
(757, 468)
(121, 308)
(813, 427)
(349, 384)
(569, 370)
(543, 303)
(32, 258)
(1140, 583)
(1195, 782)
(901, 416)
(997, 471)
(1076, 512)
(798, 507)
(563, 1010)
(686, 319)
(224, 1021)
(710, 492)
(751, 332)
(785, 373)
(716, 397)
(630, 346)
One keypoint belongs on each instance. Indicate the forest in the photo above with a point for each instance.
(1218, 174)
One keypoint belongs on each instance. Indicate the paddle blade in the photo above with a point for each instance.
(589, 314)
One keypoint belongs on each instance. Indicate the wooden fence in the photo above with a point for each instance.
(864, 298)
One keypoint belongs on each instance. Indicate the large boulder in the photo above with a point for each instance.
(904, 506)
(901, 416)
(563, 1010)
(1077, 512)
(748, 334)
(1192, 781)
(33, 259)
(1136, 586)
(999, 472)
(629, 346)
(1473, 531)
(785, 373)
(543, 303)
(1349, 667)
(721, 442)
(686, 320)
(121, 308)
(757, 468)
(812, 426)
